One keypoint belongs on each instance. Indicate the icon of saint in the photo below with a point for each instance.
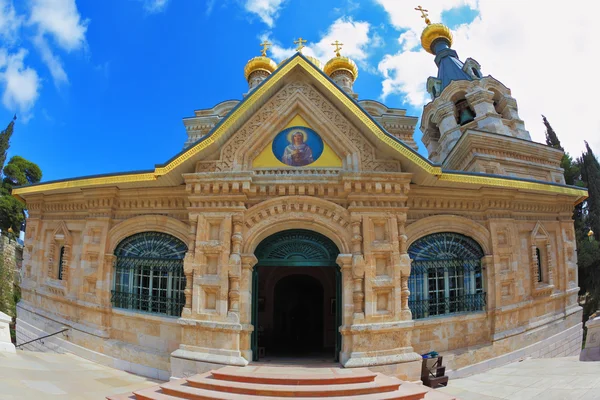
(297, 153)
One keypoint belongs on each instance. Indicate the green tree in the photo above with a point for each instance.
(590, 174)
(5, 136)
(17, 172)
(551, 138)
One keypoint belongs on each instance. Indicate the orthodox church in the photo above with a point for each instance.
(301, 222)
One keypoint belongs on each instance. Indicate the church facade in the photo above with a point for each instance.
(301, 222)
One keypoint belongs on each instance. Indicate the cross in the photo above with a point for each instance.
(265, 45)
(423, 14)
(338, 46)
(300, 42)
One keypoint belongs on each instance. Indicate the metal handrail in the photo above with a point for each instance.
(42, 337)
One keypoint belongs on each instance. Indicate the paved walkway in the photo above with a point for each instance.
(541, 379)
(36, 376)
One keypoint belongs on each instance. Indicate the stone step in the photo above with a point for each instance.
(381, 384)
(335, 376)
(192, 393)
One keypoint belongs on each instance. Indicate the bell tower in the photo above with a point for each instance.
(472, 122)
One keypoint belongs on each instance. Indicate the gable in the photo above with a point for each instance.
(210, 147)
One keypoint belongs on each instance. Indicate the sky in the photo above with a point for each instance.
(102, 86)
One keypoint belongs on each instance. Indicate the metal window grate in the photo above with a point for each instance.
(149, 274)
(446, 275)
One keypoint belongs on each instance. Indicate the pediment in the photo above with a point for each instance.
(62, 234)
(539, 233)
(299, 107)
(300, 88)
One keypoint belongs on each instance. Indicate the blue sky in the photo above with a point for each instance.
(102, 86)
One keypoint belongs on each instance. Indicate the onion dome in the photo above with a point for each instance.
(340, 63)
(435, 32)
(260, 63)
(259, 68)
(342, 70)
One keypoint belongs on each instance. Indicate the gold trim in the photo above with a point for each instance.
(104, 180)
(351, 105)
(509, 183)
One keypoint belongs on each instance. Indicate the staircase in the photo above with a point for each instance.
(270, 382)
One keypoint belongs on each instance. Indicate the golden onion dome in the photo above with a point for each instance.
(260, 63)
(433, 32)
(341, 63)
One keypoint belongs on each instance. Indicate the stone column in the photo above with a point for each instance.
(235, 267)
(245, 306)
(358, 268)
(188, 271)
(550, 262)
(405, 263)
(450, 132)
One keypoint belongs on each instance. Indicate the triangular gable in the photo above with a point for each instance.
(62, 234)
(539, 233)
(424, 171)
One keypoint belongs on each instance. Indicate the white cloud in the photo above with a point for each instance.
(21, 83)
(155, 6)
(52, 61)
(267, 10)
(60, 19)
(10, 22)
(548, 61)
(353, 34)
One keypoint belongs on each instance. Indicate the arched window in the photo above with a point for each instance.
(61, 257)
(539, 264)
(149, 274)
(445, 275)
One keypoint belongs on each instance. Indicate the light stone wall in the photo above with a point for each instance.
(369, 208)
(377, 329)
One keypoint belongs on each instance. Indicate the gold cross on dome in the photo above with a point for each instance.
(265, 46)
(423, 14)
(338, 47)
(300, 42)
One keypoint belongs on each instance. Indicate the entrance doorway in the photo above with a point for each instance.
(296, 295)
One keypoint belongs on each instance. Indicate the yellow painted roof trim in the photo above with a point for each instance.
(350, 104)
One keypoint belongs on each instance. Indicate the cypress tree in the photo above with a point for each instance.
(5, 136)
(590, 173)
(551, 138)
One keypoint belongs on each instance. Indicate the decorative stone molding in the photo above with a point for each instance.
(61, 239)
(143, 223)
(540, 243)
(450, 223)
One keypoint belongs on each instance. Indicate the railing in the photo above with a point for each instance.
(449, 305)
(42, 337)
(155, 304)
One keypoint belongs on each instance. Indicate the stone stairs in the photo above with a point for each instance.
(273, 383)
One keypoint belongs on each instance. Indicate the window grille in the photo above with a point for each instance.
(446, 275)
(60, 263)
(149, 274)
(538, 255)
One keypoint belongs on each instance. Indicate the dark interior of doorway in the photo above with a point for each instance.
(297, 315)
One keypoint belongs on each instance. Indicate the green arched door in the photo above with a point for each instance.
(296, 248)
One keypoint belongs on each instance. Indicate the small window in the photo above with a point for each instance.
(60, 263)
(475, 72)
(538, 255)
